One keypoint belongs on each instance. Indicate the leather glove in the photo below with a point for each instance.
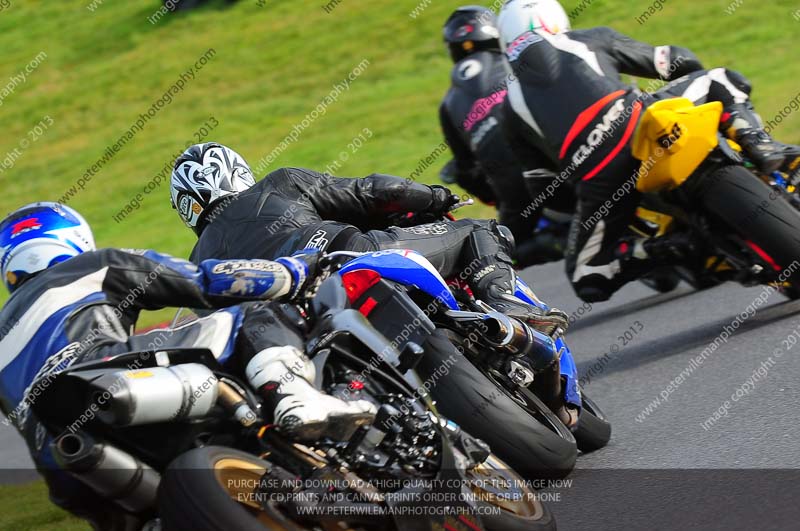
(304, 266)
(442, 201)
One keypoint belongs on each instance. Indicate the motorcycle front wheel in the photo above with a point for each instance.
(215, 489)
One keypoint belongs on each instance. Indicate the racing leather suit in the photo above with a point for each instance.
(85, 309)
(568, 108)
(293, 209)
(471, 118)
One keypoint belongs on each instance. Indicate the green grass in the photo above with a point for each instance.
(273, 65)
(25, 508)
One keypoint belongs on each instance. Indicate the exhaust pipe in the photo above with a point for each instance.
(520, 339)
(109, 471)
(158, 394)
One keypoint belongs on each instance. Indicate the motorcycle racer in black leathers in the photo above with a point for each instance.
(472, 120)
(293, 209)
(71, 303)
(569, 114)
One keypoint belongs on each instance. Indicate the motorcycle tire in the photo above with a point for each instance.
(199, 490)
(594, 430)
(736, 198)
(519, 509)
(505, 420)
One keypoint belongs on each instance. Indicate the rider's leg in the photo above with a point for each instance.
(271, 344)
(549, 243)
(600, 259)
(266, 343)
(514, 204)
(597, 262)
(285, 378)
(740, 122)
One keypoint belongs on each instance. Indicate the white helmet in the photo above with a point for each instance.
(540, 16)
(38, 236)
(203, 175)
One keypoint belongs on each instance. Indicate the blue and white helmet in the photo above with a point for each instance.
(38, 236)
(203, 175)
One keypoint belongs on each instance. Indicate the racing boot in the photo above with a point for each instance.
(494, 283)
(669, 249)
(284, 377)
(640, 257)
(742, 124)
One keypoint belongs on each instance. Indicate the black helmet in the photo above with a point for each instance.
(470, 29)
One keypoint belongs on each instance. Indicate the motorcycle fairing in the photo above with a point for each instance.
(672, 139)
(408, 268)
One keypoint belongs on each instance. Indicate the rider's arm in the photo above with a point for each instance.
(640, 59)
(462, 154)
(147, 280)
(468, 172)
(353, 200)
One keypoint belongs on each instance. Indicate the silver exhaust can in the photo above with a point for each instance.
(152, 395)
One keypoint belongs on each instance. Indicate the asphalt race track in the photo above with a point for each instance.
(761, 430)
(641, 481)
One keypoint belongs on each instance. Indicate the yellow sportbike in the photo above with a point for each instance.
(696, 181)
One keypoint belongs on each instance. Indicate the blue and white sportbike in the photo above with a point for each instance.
(464, 353)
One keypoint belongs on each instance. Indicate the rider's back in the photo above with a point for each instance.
(472, 110)
(67, 305)
(555, 88)
(256, 223)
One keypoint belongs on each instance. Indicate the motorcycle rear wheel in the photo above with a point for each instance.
(211, 488)
(516, 425)
(735, 197)
(594, 430)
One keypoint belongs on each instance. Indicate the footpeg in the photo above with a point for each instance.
(520, 374)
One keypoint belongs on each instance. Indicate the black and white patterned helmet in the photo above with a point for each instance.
(203, 175)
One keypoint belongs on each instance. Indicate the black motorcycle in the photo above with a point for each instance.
(172, 437)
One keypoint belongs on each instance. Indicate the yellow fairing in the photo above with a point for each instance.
(663, 221)
(673, 138)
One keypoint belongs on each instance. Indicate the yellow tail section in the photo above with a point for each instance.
(673, 138)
